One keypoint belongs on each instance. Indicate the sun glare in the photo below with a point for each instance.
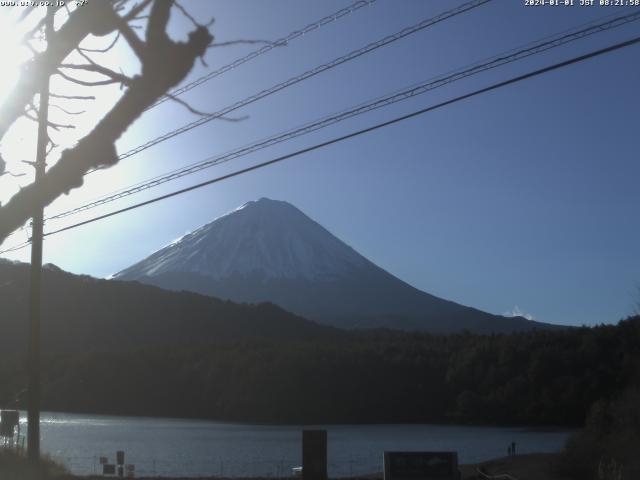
(11, 54)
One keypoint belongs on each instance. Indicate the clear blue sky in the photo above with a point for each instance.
(525, 196)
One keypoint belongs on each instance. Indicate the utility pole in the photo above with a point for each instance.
(34, 366)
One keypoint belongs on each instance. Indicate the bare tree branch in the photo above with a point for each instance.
(85, 56)
(156, 29)
(58, 126)
(187, 14)
(55, 126)
(132, 39)
(136, 10)
(4, 171)
(201, 113)
(190, 17)
(94, 67)
(28, 115)
(29, 35)
(14, 175)
(93, 18)
(64, 110)
(164, 65)
(72, 97)
(86, 83)
(102, 50)
(119, 4)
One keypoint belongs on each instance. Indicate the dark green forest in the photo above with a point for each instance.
(85, 314)
(535, 378)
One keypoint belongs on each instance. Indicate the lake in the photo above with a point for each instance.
(165, 447)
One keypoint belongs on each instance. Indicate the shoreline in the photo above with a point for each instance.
(444, 423)
(534, 466)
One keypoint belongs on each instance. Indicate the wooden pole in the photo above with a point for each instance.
(35, 283)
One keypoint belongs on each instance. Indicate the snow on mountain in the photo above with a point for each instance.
(269, 238)
(268, 250)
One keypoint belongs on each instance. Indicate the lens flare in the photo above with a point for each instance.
(12, 54)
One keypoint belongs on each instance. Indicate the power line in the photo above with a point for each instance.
(17, 231)
(387, 123)
(284, 41)
(15, 248)
(431, 84)
(308, 74)
(594, 29)
(267, 48)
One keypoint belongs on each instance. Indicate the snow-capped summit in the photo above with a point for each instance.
(268, 250)
(266, 238)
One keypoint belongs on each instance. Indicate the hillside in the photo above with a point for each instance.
(82, 313)
(268, 250)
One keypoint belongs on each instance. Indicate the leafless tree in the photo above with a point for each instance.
(164, 64)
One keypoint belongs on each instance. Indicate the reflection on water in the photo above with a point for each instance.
(199, 447)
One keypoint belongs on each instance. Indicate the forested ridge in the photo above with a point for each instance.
(81, 314)
(534, 378)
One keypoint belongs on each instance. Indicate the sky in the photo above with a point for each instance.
(523, 199)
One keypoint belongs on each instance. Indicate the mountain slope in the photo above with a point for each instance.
(270, 251)
(81, 313)
(268, 239)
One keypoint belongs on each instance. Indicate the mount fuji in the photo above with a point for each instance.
(268, 250)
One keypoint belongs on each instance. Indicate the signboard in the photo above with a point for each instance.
(120, 457)
(421, 466)
(6, 429)
(108, 469)
(104, 460)
(8, 421)
(10, 417)
(130, 470)
(314, 455)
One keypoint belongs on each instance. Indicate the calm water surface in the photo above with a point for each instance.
(166, 447)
